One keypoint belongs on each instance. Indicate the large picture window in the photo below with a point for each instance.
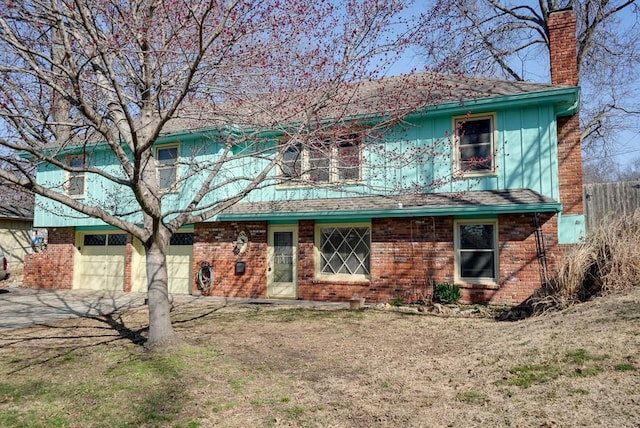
(475, 144)
(167, 166)
(335, 161)
(476, 251)
(344, 251)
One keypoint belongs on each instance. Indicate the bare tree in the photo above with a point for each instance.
(110, 76)
(510, 39)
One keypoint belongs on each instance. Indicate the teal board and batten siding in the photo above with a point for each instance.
(526, 158)
(98, 191)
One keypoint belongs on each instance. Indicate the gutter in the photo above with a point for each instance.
(566, 100)
(476, 210)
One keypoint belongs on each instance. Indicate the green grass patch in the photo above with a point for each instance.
(124, 389)
(625, 367)
(587, 371)
(526, 375)
(581, 356)
(32, 419)
(294, 412)
(472, 397)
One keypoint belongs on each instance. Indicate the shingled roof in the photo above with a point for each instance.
(431, 204)
(404, 93)
(15, 212)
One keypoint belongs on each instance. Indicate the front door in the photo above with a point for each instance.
(283, 262)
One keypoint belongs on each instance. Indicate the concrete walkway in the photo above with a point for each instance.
(23, 307)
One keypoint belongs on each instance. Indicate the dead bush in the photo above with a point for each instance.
(607, 261)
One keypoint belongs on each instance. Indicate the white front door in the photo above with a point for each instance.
(282, 270)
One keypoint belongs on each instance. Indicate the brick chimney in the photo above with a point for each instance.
(564, 71)
(562, 47)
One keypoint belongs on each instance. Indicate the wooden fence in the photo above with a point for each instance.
(603, 199)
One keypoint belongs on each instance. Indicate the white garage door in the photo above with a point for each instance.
(99, 261)
(179, 261)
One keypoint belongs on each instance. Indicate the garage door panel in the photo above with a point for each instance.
(97, 265)
(179, 261)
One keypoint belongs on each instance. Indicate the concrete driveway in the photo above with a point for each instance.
(23, 307)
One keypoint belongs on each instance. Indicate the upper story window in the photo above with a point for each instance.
(75, 183)
(325, 161)
(167, 166)
(476, 144)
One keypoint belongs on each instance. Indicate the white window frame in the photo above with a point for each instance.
(176, 165)
(459, 279)
(318, 253)
(493, 149)
(69, 175)
(334, 168)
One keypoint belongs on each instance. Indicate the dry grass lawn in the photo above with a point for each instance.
(259, 365)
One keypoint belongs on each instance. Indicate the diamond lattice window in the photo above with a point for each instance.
(181, 239)
(345, 251)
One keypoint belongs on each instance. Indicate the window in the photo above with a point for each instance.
(324, 161)
(476, 251)
(75, 180)
(102, 239)
(181, 239)
(292, 162)
(95, 240)
(167, 166)
(475, 144)
(344, 252)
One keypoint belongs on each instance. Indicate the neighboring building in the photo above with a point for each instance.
(16, 235)
(494, 230)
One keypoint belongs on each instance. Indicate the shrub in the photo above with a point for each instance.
(607, 261)
(396, 302)
(446, 293)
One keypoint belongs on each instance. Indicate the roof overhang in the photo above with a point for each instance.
(566, 101)
(477, 203)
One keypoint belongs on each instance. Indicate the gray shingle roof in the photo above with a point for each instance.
(377, 97)
(15, 212)
(513, 200)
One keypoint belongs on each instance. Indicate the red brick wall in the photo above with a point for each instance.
(562, 48)
(214, 243)
(410, 255)
(52, 268)
(564, 71)
(570, 164)
(518, 260)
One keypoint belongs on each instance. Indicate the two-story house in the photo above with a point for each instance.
(508, 196)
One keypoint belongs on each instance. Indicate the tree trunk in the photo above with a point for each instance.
(161, 334)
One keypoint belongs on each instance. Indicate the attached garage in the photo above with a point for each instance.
(179, 265)
(100, 261)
